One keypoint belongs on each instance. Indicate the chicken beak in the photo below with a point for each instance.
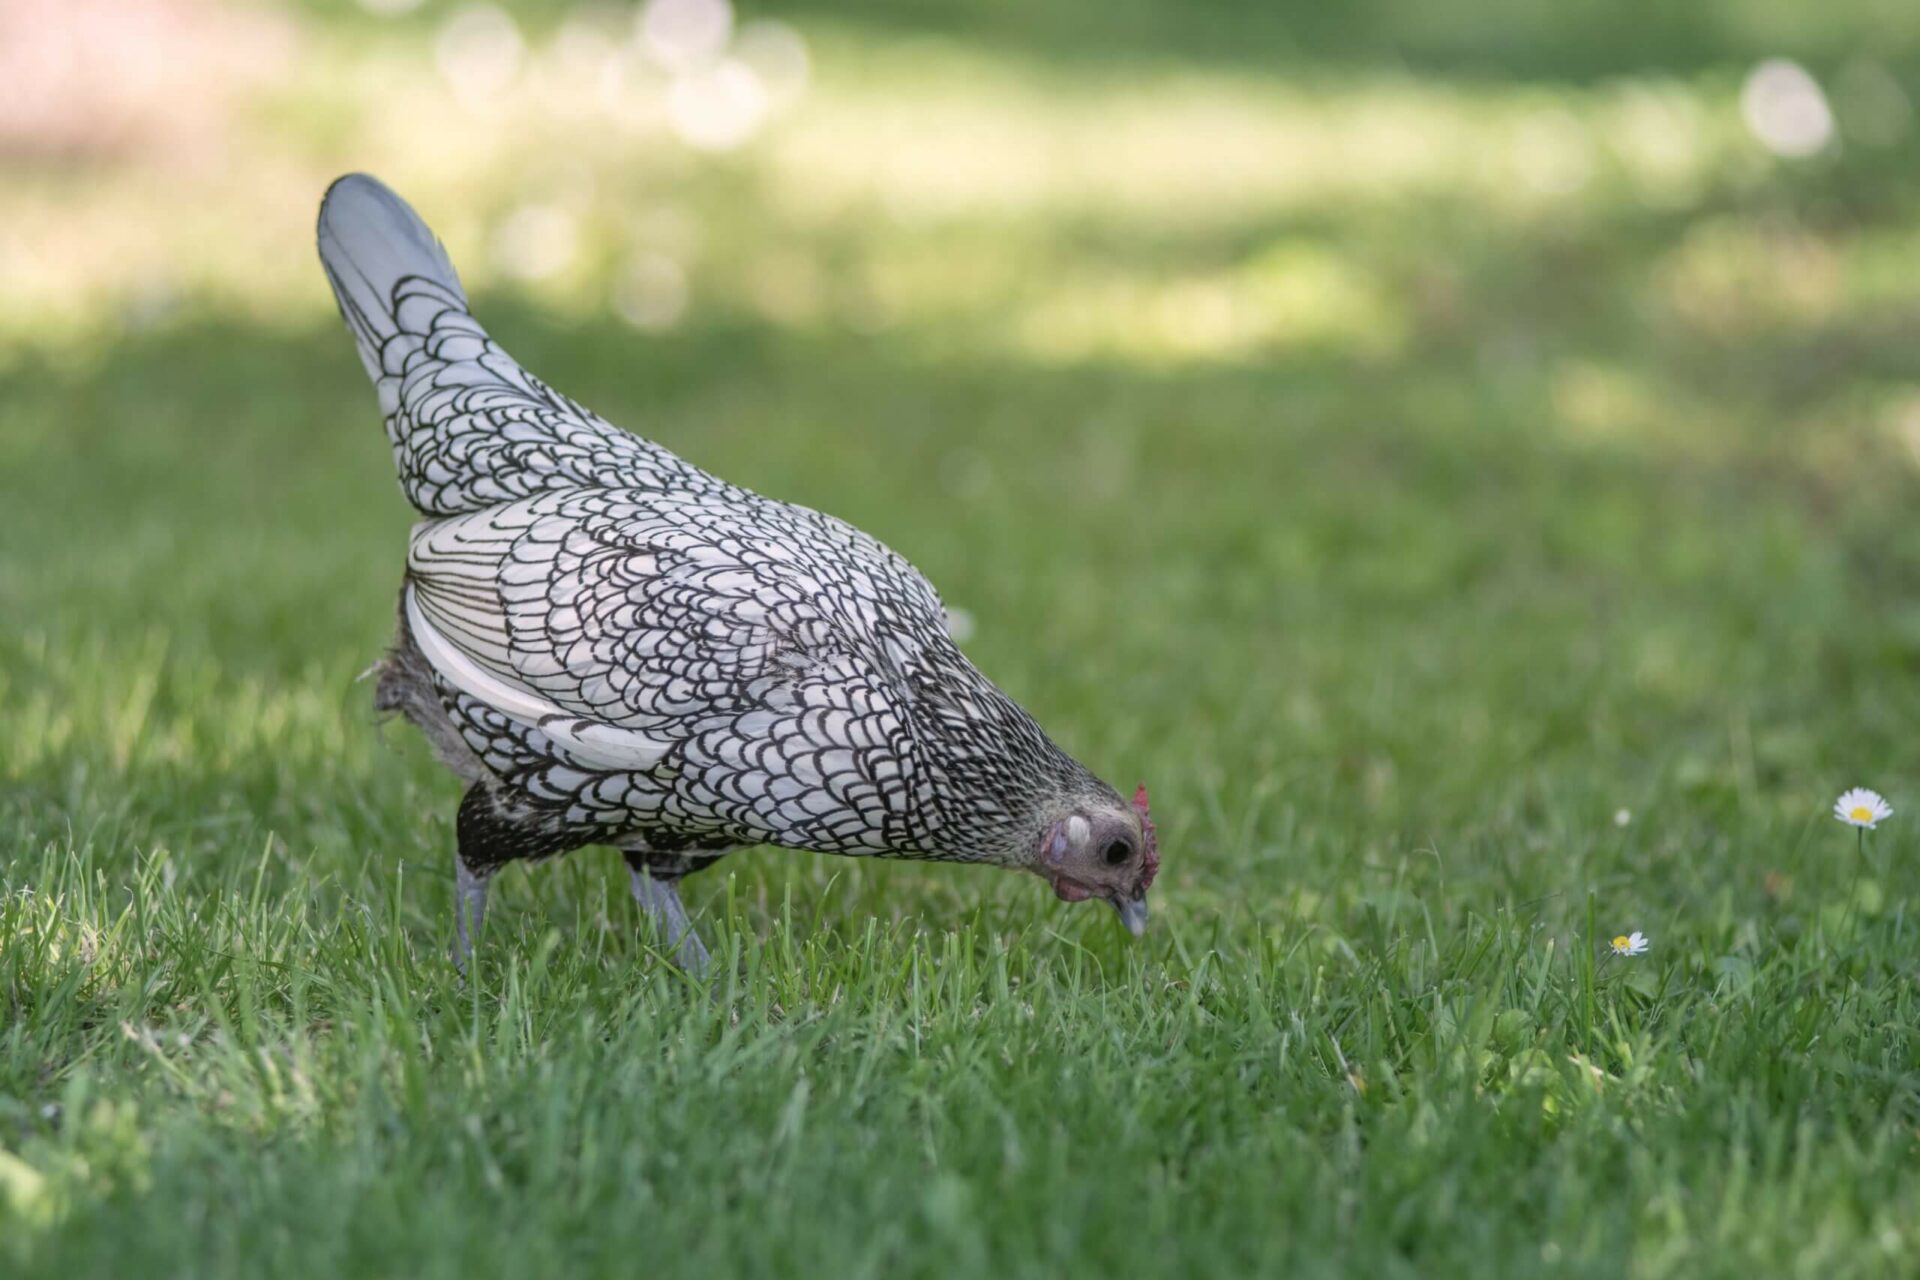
(1133, 914)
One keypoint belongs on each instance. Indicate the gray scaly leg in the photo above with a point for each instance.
(469, 911)
(661, 901)
(490, 837)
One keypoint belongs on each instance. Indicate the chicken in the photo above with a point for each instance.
(610, 646)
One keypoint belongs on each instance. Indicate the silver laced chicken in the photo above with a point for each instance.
(610, 646)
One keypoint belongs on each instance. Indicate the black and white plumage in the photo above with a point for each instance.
(611, 646)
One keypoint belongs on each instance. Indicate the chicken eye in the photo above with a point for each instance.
(1118, 852)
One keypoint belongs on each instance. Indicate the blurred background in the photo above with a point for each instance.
(1169, 184)
(1367, 421)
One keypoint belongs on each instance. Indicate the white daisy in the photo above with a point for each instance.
(1862, 808)
(1630, 944)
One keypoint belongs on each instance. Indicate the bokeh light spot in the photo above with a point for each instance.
(717, 108)
(1785, 109)
(651, 292)
(777, 55)
(682, 34)
(534, 242)
(479, 52)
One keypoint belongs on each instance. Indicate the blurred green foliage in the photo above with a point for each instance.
(1503, 40)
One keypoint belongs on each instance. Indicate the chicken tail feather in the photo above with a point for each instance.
(379, 256)
(469, 427)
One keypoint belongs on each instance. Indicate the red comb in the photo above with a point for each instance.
(1151, 864)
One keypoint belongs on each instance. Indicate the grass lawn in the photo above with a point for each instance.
(1484, 510)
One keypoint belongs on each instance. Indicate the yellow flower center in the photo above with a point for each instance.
(1621, 943)
(1860, 813)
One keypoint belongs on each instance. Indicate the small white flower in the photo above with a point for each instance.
(1862, 808)
(1621, 817)
(1630, 944)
